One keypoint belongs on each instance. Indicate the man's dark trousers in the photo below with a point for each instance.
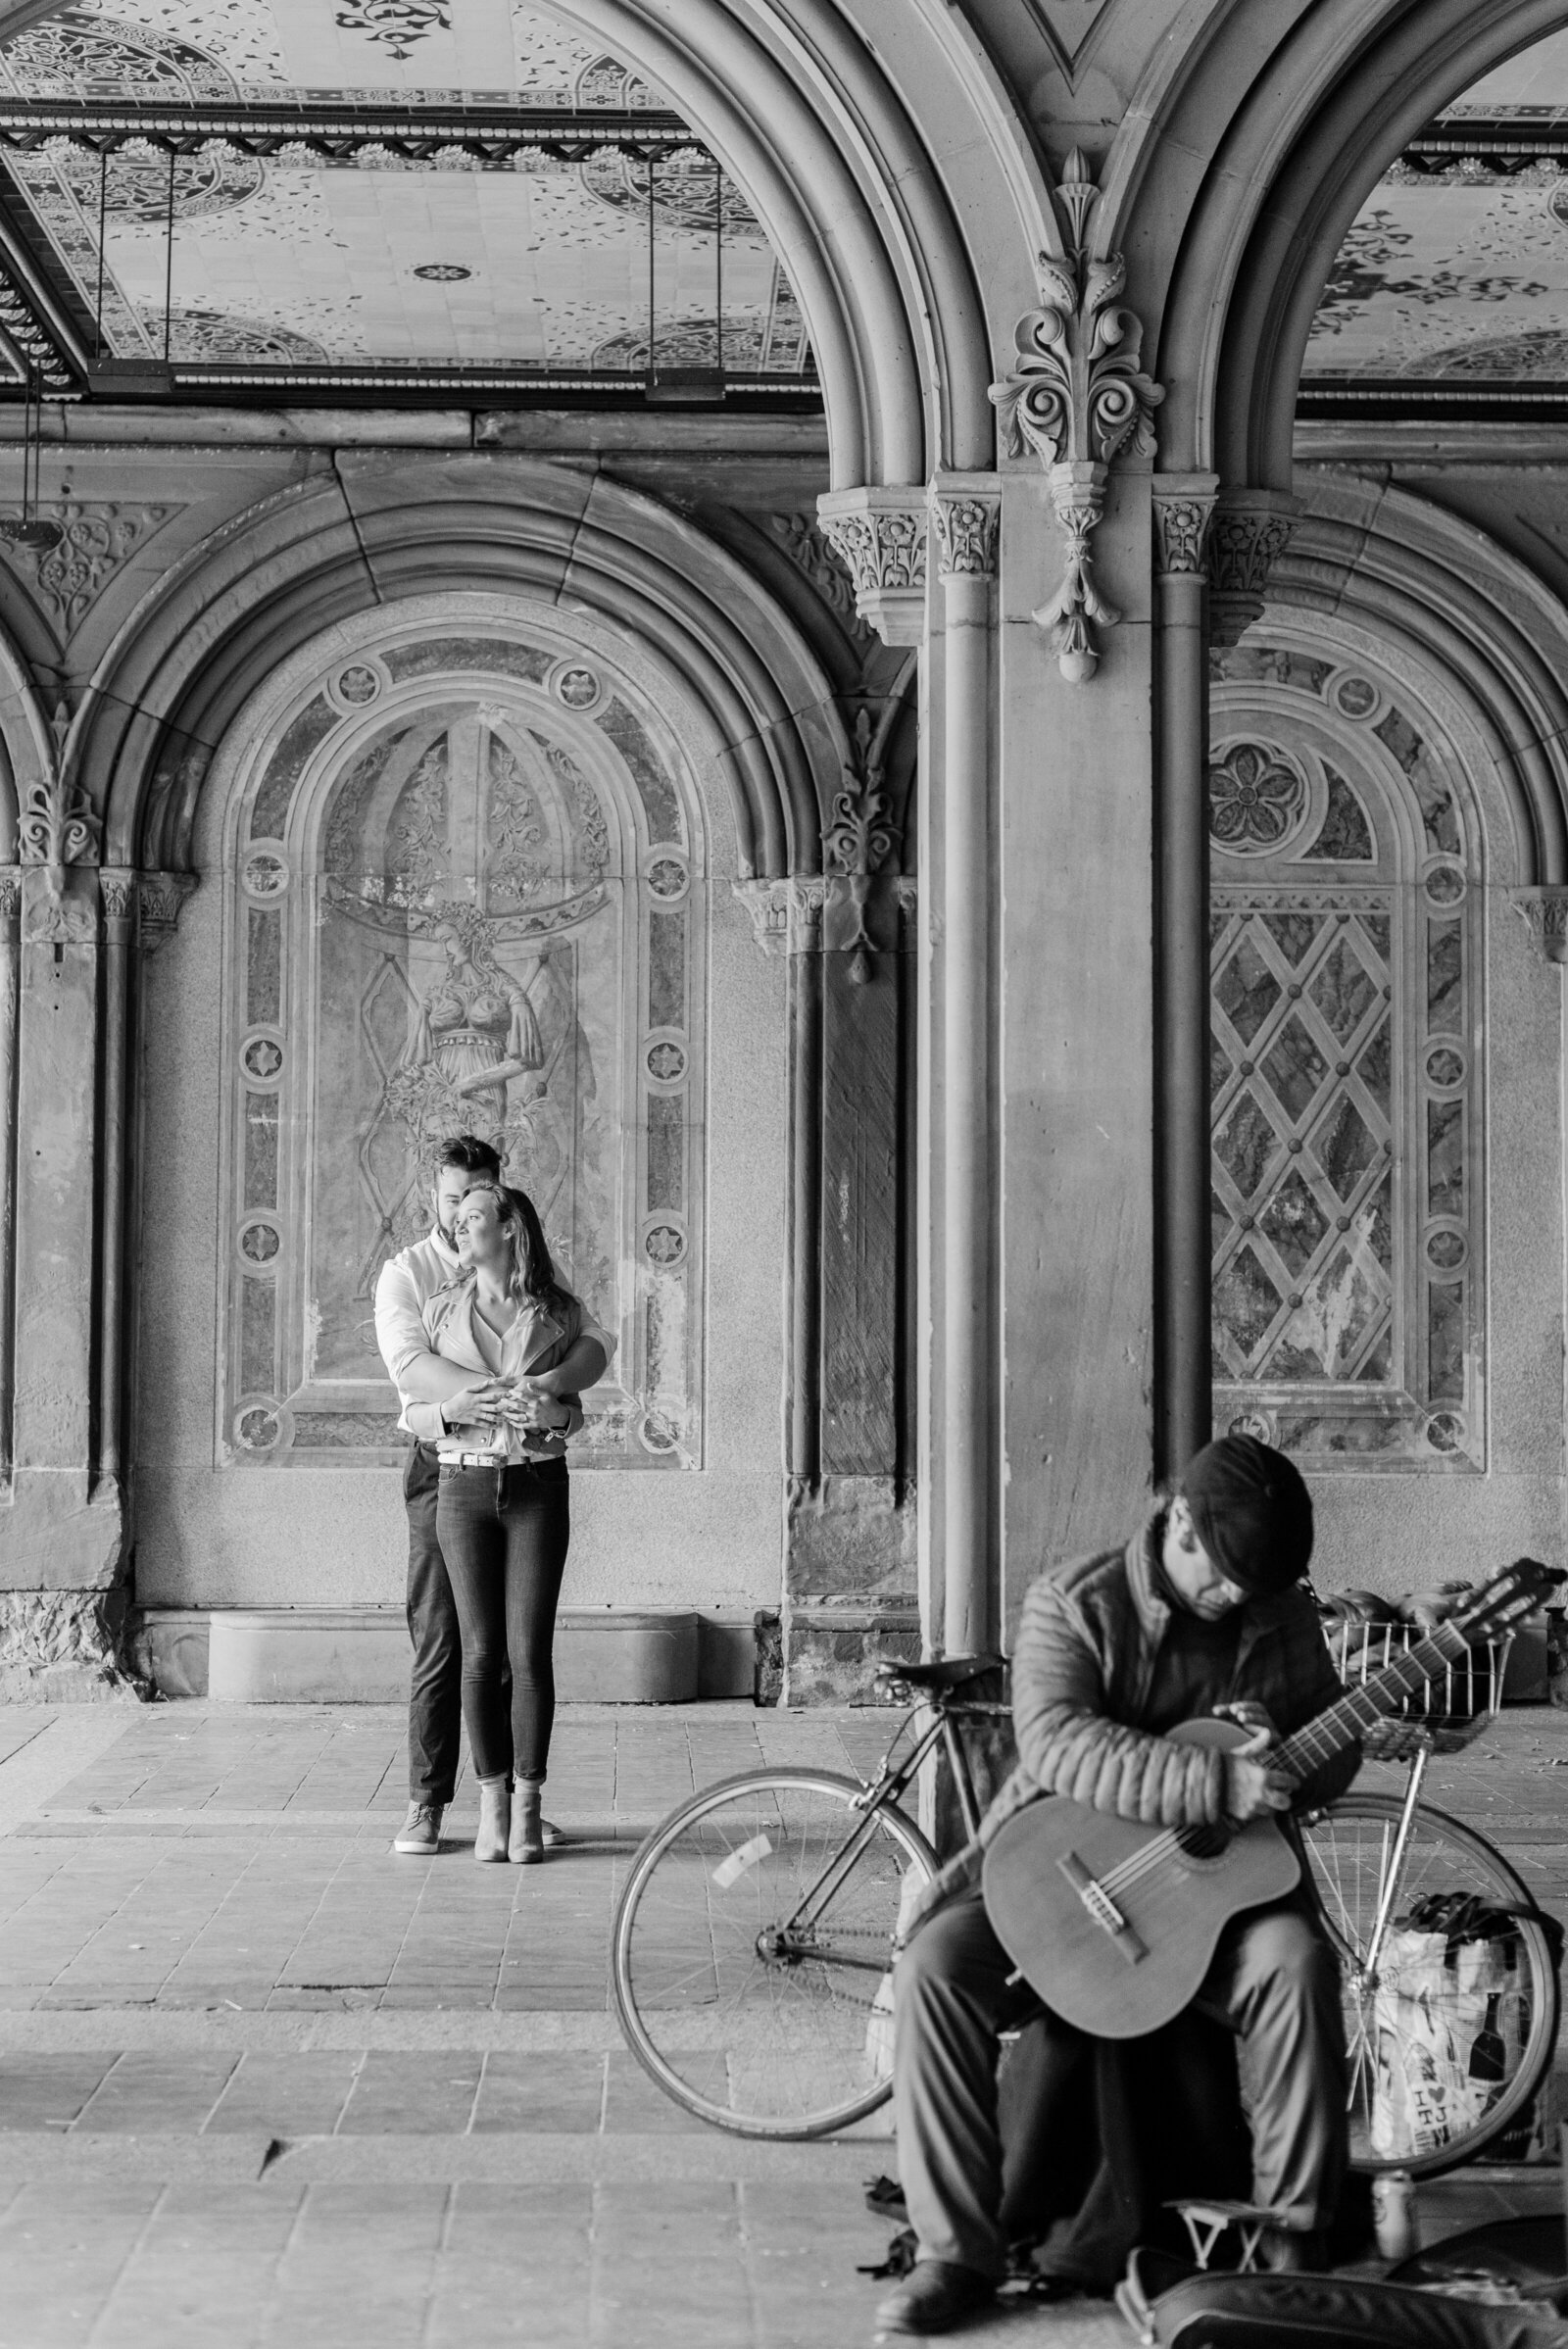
(435, 1684)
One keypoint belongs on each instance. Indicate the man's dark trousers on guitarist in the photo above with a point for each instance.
(1202, 1610)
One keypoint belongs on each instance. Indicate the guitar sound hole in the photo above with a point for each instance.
(1204, 1843)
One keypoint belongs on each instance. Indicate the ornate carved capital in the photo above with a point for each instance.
(879, 535)
(786, 916)
(862, 837)
(1184, 512)
(1250, 528)
(160, 896)
(1075, 396)
(117, 883)
(966, 509)
(1544, 914)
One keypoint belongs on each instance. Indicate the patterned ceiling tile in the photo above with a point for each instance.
(545, 264)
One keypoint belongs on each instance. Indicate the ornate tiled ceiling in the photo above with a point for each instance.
(522, 257)
(1455, 272)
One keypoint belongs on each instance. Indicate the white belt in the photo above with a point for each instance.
(496, 1459)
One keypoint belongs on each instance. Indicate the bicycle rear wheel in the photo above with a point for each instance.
(1413, 2104)
(754, 1947)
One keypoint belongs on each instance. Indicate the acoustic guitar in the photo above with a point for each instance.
(1115, 1923)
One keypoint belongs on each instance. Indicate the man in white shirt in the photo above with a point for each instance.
(426, 1381)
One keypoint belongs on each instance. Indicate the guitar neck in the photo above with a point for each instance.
(1332, 1731)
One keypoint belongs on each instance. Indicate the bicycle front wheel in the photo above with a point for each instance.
(754, 1950)
(1444, 2055)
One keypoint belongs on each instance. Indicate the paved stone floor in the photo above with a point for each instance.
(262, 2081)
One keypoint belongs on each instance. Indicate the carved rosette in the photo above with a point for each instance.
(1245, 538)
(10, 899)
(966, 509)
(1074, 398)
(879, 535)
(1544, 914)
(1184, 514)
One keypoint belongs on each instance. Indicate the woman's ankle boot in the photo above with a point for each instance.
(527, 1842)
(495, 1819)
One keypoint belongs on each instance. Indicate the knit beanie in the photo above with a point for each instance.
(1252, 1512)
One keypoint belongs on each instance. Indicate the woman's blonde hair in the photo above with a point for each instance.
(533, 1273)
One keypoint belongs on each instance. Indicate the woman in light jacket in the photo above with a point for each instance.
(502, 1512)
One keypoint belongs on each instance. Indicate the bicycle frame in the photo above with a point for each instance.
(881, 1794)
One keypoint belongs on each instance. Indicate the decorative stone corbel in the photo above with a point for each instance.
(860, 854)
(1184, 514)
(1544, 914)
(786, 915)
(57, 828)
(160, 896)
(1250, 528)
(879, 536)
(1074, 398)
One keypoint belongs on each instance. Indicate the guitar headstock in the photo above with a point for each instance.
(1517, 1590)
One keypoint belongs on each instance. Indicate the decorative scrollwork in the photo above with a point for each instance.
(57, 826)
(1075, 397)
(862, 837)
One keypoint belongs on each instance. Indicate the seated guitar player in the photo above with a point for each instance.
(1201, 1613)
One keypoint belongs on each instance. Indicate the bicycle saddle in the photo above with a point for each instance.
(945, 1672)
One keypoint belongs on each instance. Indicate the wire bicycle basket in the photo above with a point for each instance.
(1460, 1700)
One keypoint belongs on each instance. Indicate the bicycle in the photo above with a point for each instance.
(753, 1941)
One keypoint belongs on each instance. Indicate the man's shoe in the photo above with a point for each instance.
(935, 2295)
(421, 1832)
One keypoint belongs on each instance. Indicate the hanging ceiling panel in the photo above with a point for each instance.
(522, 258)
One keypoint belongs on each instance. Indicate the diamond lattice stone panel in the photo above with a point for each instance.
(1247, 990)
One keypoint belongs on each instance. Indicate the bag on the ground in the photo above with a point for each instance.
(1448, 2024)
(1202, 2311)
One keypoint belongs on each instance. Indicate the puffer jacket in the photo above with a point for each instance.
(1082, 1670)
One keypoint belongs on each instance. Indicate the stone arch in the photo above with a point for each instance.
(1490, 641)
(1231, 259)
(169, 689)
(464, 869)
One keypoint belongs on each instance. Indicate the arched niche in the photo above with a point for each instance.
(1348, 1069)
(464, 872)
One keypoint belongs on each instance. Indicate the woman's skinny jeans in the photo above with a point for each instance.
(503, 1532)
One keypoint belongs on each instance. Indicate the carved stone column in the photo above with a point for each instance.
(965, 511)
(1250, 528)
(1184, 508)
(849, 1547)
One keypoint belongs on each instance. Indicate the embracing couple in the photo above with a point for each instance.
(489, 1354)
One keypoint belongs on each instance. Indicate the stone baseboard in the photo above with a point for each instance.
(359, 1655)
(832, 1648)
